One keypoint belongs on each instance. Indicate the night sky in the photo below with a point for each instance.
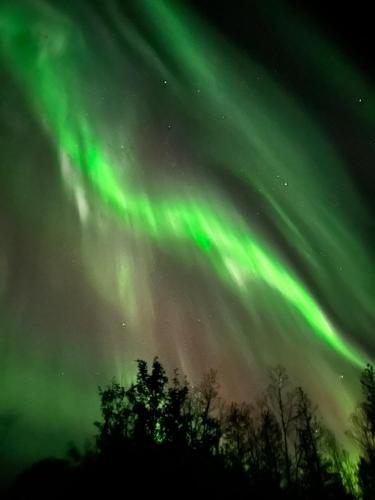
(183, 181)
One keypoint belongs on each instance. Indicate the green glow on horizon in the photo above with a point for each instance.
(51, 76)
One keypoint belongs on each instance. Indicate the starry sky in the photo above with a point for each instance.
(182, 181)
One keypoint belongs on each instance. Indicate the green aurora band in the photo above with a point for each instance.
(232, 249)
(248, 126)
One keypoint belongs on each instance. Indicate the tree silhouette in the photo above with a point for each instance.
(238, 431)
(363, 431)
(206, 429)
(271, 450)
(176, 413)
(160, 437)
(283, 401)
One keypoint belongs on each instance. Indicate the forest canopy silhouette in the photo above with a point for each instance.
(164, 436)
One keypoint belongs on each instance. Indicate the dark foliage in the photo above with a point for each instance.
(166, 439)
(364, 433)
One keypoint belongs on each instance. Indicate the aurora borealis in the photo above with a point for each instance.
(163, 193)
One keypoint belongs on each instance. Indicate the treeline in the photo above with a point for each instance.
(165, 438)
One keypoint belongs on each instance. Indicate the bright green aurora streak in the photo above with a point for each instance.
(48, 56)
